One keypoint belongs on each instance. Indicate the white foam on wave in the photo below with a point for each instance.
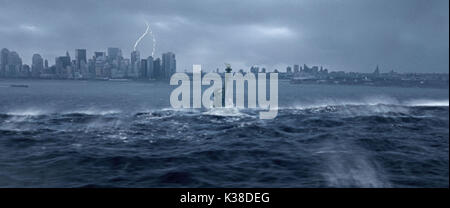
(167, 112)
(27, 112)
(427, 103)
(364, 106)
(230, 112)
(38, 112)
(359, 172)
(348, 166)
(181, 109)
(368, 101)
(93, 111)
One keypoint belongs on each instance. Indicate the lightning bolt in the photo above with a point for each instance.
(154, 42)
(147, 30)
(142, 36)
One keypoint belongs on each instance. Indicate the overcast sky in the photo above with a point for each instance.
(351, 35)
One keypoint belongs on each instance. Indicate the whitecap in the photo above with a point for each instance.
(27, 112)
(93, 112)
(427, 103)
(232, 112)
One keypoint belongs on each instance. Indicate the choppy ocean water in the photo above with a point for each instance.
(124, 134)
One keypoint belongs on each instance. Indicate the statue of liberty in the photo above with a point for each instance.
(221, 92)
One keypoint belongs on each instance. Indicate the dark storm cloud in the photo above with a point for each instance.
(356, 35)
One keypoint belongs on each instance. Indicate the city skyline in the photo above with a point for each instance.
(114, 52)
(113, 65)
(406, 36)
(107, 64)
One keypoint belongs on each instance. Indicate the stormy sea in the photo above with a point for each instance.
(125, 134)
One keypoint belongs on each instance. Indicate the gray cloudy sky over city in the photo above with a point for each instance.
(351, 35)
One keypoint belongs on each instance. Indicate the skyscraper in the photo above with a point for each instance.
(143, 69)
(168, 64)
(116, 64)
(114, 53)
(98, 63)
(14, 64)
(296, 68)
(3, 61)
(25, 71)
(98, 54)
(377, 71)
(150, 71)
(135, 64)
(289, 70)
(80, 57)
(68, 56)
(157, 68)
(37, 65)
(62, 63)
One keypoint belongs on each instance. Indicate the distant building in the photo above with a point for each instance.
(306, 69)
(289, 70)
(315, 69)
(114, 53)
(80, 57)
(99, 65)
(3, 61)
(99, 54)
(150, 69)
(157, 69)
(14, 64)
(37, 65)
(25, 71)
(143, 69)
(169, 64)
(296, 68)
(377, 71)
(135, 64)
(63, 66)
(68, 55)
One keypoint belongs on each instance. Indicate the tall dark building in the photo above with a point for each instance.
(68, 56)
(37, 65)
(114, 53)
(135, 64)
(296, 68)
(289, 70)
(306, 69)
(25, 71)
(143, 69)
(157, 68)
(80, 57)
(150, 71)
(14, 64)
(377, 71)
(61, 63)
(169, 64)
(99, 54)
(3, 61)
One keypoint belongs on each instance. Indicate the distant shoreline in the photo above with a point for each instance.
(291, 81)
